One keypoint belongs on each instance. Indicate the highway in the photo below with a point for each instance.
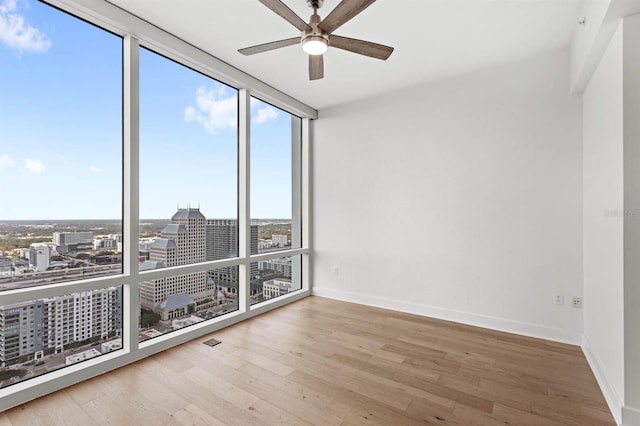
(32, 279)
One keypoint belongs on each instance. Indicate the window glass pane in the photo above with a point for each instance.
(60, 148)
(44, 335)
(188, 190)
(175, 302)
(188, 162)
(275, 177)
(275, 278)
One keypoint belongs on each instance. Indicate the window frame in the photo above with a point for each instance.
(120, 22)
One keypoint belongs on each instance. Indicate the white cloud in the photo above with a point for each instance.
(215, 109)
(265, 114)
(34, 166)
(6, 161)
(95, 169)
(18, 34)
(262, 112)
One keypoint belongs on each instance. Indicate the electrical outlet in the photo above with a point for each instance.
(576, 302)
(336, 271)
(558, 299)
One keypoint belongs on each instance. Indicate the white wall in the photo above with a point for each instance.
(460, 199)
(585, 46)
(631, 91)
(603, 223)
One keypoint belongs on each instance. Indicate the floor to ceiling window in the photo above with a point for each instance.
(145, 200)
(61, 172)
(188, 193)
(60, 147)
(275, 199)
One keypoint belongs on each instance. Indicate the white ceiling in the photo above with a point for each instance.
(433, 39)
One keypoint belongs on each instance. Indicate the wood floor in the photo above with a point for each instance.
(324, 362)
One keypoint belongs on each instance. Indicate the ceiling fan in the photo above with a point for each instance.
(318, 35)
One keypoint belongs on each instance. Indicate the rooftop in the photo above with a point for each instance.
(148, 265)
(176, 301)
(188, 213)
(174, 228)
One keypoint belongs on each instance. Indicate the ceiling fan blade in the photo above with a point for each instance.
(343, 13)
(366, 48)
(316, 67)
(287, 14)
(269, 46)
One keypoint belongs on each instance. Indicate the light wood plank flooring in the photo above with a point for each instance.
(324, 362)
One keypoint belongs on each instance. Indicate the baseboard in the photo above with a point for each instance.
(624, 416)
(630, 416)
(500, 324)
(609, 392)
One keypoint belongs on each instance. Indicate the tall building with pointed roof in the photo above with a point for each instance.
(181, 242)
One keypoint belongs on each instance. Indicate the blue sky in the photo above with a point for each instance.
(61, 128)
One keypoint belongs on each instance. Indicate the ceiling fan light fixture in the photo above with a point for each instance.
(314, 45)
(317, 35)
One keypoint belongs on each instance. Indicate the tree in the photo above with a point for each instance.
(148, 318)
(7, 374)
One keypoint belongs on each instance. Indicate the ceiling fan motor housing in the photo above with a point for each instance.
(315, 33)
(316, 4)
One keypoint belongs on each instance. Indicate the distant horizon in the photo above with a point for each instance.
(120, 220)
(61, 151)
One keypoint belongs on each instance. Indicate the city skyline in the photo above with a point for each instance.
(61, 155)
(45, 334)
(142, 219)
(78, 245)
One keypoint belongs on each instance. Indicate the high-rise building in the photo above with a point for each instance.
(31, 329)
(39, 257)
(181, 242)
(222, 238)
(67, 242)
(222, 243)
(190, 238)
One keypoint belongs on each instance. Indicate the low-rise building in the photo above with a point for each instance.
(281, 266)
(280, 240)
(184, 322)
(276, 287)
(5, 263)
(81, 356)
(111, 346)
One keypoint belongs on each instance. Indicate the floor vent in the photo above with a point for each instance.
(212, 342)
